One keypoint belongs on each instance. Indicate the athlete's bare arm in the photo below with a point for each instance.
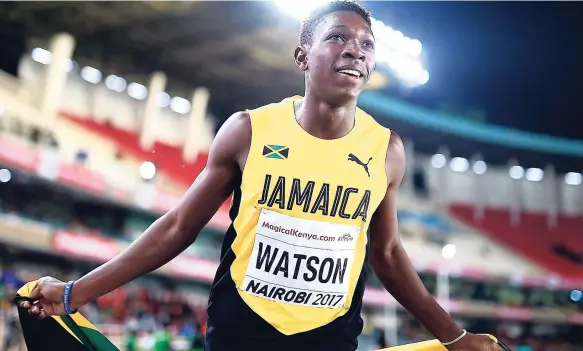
(170, 234)
(396, 272)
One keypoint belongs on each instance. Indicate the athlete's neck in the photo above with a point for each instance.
(322, 120)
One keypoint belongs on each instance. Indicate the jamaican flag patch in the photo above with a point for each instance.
(276, 151)
(71, 333)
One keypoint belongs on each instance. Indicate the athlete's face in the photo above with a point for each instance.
(341, 58)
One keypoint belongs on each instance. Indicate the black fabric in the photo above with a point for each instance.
(232, 325)
(47, 334)
(285, 152)
(245, 344)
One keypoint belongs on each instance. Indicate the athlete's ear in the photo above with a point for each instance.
(301, 58)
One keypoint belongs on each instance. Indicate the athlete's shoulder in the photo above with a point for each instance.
(236, 129)
(395, 142)
(238, 122)
(233, 138)
(395, 160)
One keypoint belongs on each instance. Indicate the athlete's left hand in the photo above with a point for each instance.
(474, 342)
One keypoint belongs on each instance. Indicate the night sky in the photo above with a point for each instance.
(521, 62)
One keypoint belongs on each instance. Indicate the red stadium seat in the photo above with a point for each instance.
(559, 249)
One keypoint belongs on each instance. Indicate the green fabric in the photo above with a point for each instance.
(49, 334)
(162, 341)
(131, 343)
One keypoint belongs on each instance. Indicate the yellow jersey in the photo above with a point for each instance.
(294, 259)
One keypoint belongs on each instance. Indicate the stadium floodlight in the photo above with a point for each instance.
(480, 167)
(72, 66)
(180, 105)
(448, 251)
(298, 8)
(438, 160)
(573, 178)
(396, 39)
(459, 164)
(408, 69)
(534, 174)
(516, 172)
(383, 54)
(137, 91)
(415, 47)
(147, 170)
(163, 99)
(115, 83)
(91, 75)
(400, 52)
(41, 55)
(5, 175)
(45, 57)
(423, 77)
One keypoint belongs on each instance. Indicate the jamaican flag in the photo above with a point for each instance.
(279, 152)
(434, 345)
(71, 333)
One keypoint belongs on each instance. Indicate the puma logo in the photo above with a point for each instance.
(355, 159)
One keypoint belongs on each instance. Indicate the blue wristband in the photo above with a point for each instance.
(67, 297)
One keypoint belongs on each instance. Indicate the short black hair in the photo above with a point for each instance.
(318, 14)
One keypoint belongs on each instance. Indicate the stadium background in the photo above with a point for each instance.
(107, 111)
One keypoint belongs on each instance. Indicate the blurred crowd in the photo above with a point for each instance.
(532, 343)
(137, 318)
(160, 324)
(164, 314)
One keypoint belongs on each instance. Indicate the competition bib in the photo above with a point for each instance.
(300, 261)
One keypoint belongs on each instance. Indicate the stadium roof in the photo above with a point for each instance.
(243, 54)
(238, 51)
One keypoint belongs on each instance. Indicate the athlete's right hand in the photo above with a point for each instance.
(46, 299)
(476, 342)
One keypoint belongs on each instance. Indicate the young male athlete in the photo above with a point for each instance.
(310, 177)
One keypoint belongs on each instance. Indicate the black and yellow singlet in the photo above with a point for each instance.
(293, 261)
